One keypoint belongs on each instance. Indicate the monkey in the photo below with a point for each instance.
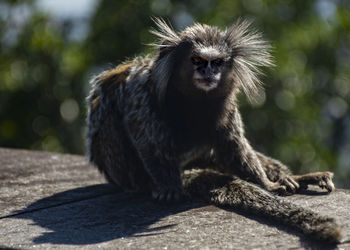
(168, 125)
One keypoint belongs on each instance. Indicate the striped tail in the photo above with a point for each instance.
(225, 191)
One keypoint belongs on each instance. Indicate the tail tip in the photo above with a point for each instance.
(332, 233)
(337, 234)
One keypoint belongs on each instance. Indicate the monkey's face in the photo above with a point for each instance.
(208, 68)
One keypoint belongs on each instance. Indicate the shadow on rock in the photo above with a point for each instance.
(105, 214)
(100, 213)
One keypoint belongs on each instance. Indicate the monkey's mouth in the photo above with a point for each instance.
(205, 84)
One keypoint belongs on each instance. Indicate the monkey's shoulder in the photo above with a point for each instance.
(106, 82)
(112, 78)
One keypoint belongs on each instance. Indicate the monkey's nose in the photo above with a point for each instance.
(208, 72)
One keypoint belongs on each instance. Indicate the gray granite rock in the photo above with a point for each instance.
(52, 201)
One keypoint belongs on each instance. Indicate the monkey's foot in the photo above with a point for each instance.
(169, 195)
(321, 179)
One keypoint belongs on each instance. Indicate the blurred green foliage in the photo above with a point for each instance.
(303, 118)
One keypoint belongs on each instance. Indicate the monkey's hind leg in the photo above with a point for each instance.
(114, 155)
(231, 192)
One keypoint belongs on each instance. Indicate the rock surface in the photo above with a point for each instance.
(52, 200)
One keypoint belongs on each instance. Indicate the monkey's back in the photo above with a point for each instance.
(119, 99)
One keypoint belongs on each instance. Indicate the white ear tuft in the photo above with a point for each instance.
(166, 34)
(250, 51)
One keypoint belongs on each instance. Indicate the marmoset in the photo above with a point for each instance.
(152, 118)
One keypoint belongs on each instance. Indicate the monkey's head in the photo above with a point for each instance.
(204, 60)
(210, 61)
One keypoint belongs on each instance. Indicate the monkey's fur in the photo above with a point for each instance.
(150, 119)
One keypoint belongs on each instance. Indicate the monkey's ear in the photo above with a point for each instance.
(249, 52)
(166, 34)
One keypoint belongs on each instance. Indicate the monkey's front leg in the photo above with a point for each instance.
(278, 172)
(237, 156)
(164, 172)
(155, 147)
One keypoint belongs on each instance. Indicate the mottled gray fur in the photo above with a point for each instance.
(152, 117)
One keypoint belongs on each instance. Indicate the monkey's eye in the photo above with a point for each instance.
(217, 62)
(196, 60)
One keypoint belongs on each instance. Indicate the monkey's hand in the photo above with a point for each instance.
(286, 185)
(170, 194)
(276, 171)
(321, 179)
(291, 184)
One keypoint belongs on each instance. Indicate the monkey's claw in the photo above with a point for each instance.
(285, 186)
(291, 185)
(326, 181)
(169, 195)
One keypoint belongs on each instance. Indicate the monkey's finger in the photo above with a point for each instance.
(281, 191)
(293, 182)
(289, 186)
(162, 196)
(172, 196)
(328, 182)
(155, 195)
(159, 196)
(329, 185)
